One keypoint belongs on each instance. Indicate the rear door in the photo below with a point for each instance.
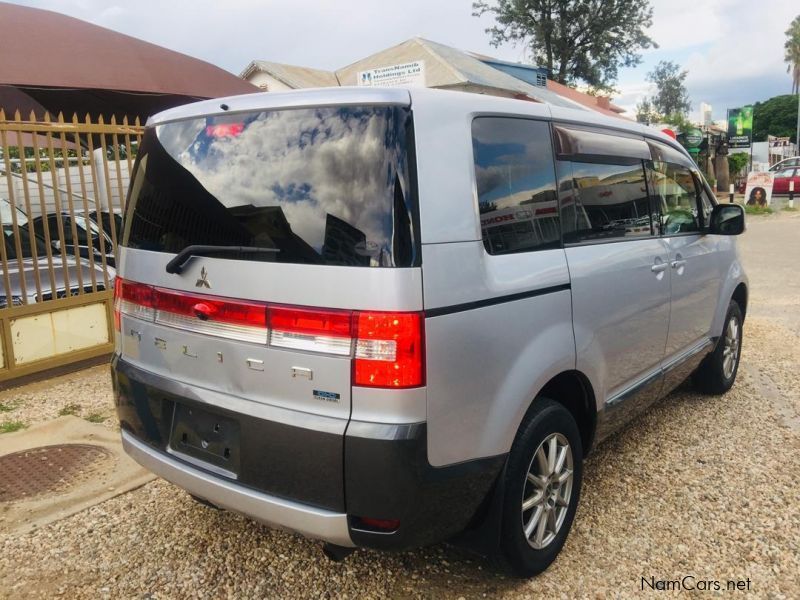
(299, 218)
(618, 268)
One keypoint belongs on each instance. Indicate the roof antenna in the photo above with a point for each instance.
(223, 106)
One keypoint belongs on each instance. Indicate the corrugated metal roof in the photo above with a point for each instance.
(50, 50)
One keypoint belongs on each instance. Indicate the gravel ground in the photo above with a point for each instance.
(85, 394)
(698, 486)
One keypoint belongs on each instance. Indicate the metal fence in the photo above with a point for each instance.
(62, 193)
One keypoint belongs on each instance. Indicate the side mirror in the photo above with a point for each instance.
(727, 219)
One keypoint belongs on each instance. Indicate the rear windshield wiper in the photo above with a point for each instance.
(176, 264)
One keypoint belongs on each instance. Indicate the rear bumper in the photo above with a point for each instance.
(277, 512)
(309, 476)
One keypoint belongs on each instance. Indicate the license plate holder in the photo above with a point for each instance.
(207, 439)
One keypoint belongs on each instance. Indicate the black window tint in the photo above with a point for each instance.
(673, 188)
(516, 185)
(612, 202)
(328, 186)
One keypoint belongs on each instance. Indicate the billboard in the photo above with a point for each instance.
(406, 75)
(740, 127)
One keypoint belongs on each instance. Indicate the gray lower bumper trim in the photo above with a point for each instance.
(282, 514)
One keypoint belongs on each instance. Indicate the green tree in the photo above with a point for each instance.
(671, 97)
(737, 161)
(576, 40)
(776, 116)
(645, 113)
(678, 122)
(792, 54)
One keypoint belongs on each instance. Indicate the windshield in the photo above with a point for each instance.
(321, 185)
(26, 242)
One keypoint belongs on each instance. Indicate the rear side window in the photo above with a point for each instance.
(516, 185)
(610, 202)
(326, 186)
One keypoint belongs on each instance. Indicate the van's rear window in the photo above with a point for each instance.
(320, 186)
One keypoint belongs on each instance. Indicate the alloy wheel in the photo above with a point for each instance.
(730, 350)
(547, 491)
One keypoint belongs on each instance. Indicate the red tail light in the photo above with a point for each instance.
(223, 310)
(389, 350)
(212, 315)
(315, 330)
(222, 130)
(134, 299)
(117, 302)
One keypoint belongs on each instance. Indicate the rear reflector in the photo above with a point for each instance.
(387, 348)
(382, 525)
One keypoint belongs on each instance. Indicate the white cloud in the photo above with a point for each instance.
(732, 49)
(680, 24)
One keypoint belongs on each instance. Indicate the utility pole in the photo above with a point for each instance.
(797, 135)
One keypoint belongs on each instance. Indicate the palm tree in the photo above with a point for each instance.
(792, 55)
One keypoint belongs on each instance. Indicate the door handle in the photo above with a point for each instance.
(659, 268)
(677, 264)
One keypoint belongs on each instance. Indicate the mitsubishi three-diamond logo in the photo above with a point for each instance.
(203, 281)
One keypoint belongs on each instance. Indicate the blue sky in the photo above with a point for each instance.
(733, 49)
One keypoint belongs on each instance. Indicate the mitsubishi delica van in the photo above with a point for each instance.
(385, 318)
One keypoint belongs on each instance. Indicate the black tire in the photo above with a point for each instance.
(545, 418)
(710, 378)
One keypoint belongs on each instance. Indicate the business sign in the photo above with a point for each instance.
(778, 142)
(694, 138)
(740, 127)
(406, 75)
(759, 188)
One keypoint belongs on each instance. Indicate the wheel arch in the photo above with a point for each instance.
(573, 390)
(740, 296)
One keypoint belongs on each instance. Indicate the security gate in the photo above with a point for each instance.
(62, 195)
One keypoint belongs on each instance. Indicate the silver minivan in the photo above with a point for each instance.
(386, 318)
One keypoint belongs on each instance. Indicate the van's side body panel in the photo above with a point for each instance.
(488, 353)
(620, 316)
(733, 275)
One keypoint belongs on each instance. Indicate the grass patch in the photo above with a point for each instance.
(9, 407)
(757, 210)
(11, 426)
(70, 409)
(790, 208)
(96, 418)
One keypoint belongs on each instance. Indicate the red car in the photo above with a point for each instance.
(782, 179)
